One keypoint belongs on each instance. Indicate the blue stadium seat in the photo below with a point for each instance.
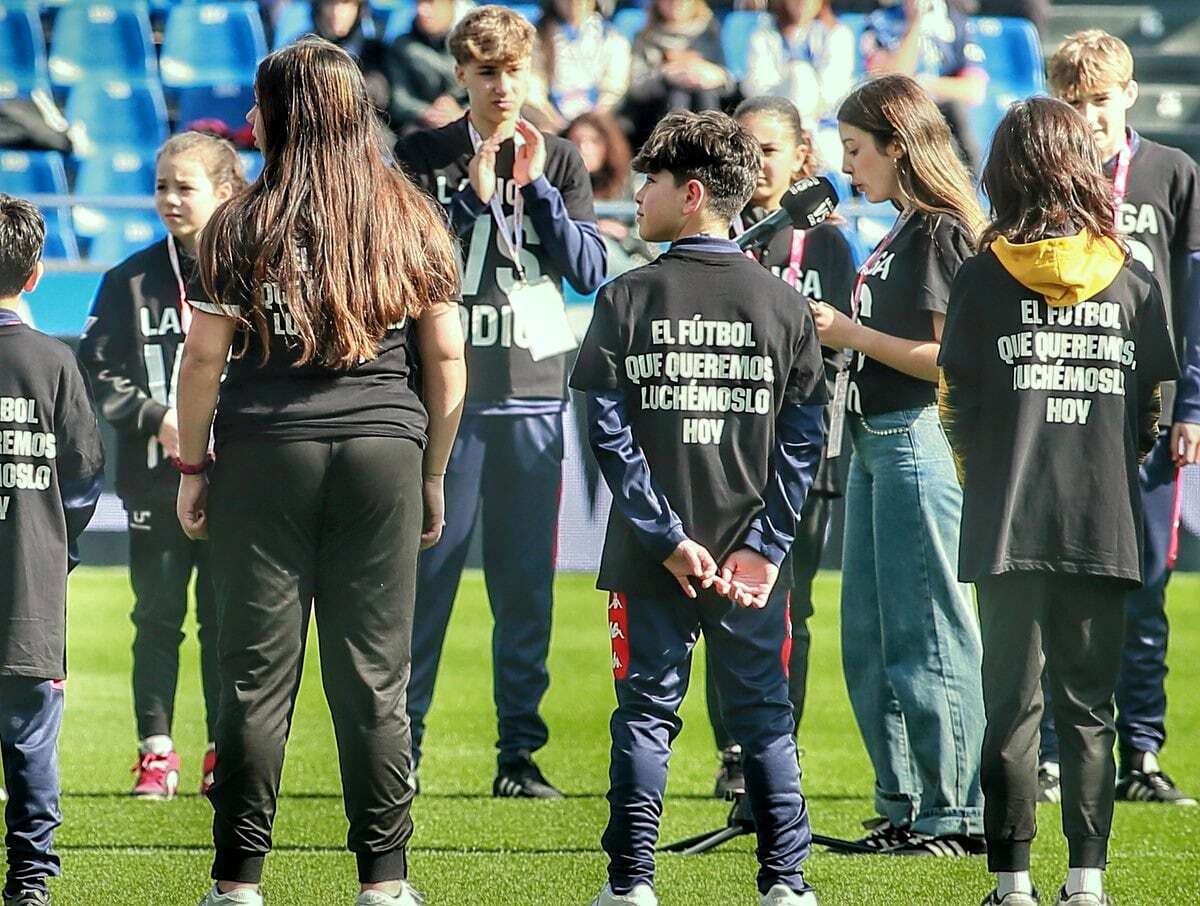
(32, 173)
(119, 173)
(123, 233)
(212, 44)
(119, 116)
(60, 238)
(736, 30)
(252, 162)
(629, 21)
(295, 19)
(22, 51)
(1012, 53)
(101, 41)
(531, 11)
(399, 21)
(228, 103)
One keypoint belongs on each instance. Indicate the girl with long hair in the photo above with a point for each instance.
(329, 465)
(1052, 354)
(819, 264)
(910, 639)
(129, 349)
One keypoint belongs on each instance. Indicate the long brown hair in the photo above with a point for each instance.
(611, 181)
(1043, 176)
(353, 245)
(895, 108)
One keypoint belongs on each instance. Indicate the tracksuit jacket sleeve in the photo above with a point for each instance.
(1187, 390)
(799, 443)
(105, 353)
(576, 245)
(627, 474)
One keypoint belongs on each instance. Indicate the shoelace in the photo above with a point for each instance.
(150, 763)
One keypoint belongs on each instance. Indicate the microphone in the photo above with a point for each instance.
(806, 204)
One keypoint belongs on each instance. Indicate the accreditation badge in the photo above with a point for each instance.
(540, 318)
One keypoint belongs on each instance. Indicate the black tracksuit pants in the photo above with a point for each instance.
(1074, 626)
(330, 527)
(806, 561)
(161, 561)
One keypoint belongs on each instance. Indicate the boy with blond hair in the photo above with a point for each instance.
(521, 203)
(1157, 199)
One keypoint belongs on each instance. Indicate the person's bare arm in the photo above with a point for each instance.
(444, 385)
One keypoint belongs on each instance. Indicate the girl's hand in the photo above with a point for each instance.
(191, 506)
(834, 328)
(435, 511)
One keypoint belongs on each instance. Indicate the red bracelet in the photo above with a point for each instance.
(187, 468)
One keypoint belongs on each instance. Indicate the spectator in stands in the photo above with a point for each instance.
(927, 40)
(420, 69)
(130, 350)
(806, 56)
(581, 63)
(347, 24)
(606, 155)
(1036, 11)
(678, 63)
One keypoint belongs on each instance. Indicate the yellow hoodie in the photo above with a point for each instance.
(1066, 270)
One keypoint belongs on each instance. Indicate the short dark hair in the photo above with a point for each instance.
(710, 147)
(22, 235)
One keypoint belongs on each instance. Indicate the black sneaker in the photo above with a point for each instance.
(28, 897)
(730, 779)
(523, 780)
(1049, 782)
(1141, 780)
(884, 837)
(1013, 898)
(952, 845)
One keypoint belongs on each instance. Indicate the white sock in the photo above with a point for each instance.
(1085, 880)
(156, 745)
(1013, 882)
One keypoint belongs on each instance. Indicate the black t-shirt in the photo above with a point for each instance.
(278, 400)
(500, 369)
(706, 347)
(825, 274)
(1160, 220)
(1050, 414)
(48, 437)
(906, 286)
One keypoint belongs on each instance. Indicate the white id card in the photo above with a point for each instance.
(837, 415)
(540, 316)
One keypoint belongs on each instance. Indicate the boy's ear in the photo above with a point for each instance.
(1131, 93)
(460, 75)
(35, 278)
(695, 195)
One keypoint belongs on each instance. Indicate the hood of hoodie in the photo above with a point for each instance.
(1065, 270)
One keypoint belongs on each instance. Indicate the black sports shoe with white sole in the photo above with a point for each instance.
(1012, 898)
(952, 845)
(523, 780)
(884, 837)
(730, 779)
(1141, 780)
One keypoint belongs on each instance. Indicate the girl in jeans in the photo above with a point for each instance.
(910, 639)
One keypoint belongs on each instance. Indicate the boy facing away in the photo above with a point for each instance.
(50, 463)
(705, 396)
(1156, 193)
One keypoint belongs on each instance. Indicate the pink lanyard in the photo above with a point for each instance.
(873, 259)
(185, 309)
(791, 276)
(1121, 176)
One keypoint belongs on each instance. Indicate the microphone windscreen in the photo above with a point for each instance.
(810, 201)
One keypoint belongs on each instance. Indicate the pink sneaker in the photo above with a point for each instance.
(206, 770)
(157, 776)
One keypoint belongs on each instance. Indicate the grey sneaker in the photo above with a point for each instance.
(1013, 898)
(29, 897)
(1049, 783)
(1082, 899)
(641, 895)
(782, 895)
(243, 896)
(406, 897)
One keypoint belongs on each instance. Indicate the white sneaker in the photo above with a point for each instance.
(782, 895)
(406, 897)
(641, 895)
(243, 896)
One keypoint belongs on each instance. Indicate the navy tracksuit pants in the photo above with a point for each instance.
(506, 469)
(652, 643)
(1141, 684)
(31, 713)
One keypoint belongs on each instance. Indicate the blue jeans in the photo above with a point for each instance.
(911, 649)
(30, 718)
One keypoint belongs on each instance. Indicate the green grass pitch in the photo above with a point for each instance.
(471, 850)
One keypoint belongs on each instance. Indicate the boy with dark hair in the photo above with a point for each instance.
(521, 203)
(50, 463)
(705, 394)
(1157, 195)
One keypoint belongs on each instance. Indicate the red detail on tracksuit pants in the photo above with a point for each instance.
(618, 632)
(785, 652)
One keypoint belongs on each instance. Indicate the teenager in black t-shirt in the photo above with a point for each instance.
(706, 399)
(129, 348)
(910, 639)
(50, 473)
(521, 204)
(1052, 355)
(1157, 203)
(818, 264)
(328, 470)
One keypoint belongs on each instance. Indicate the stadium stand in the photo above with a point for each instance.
(118, 116)
(736, 30)
(22, 51)
(102, 41)
(116, 173)
(32, 173)
(209, 44)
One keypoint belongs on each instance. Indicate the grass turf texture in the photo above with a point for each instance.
(471, 849)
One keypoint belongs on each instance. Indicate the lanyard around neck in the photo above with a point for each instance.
(510, 235)
(185, 309)
(873, 259)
